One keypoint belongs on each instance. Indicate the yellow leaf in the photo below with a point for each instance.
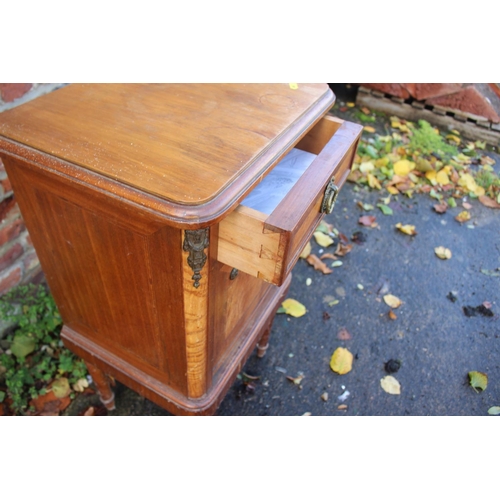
(392, 301)
(442, 177)
(367, 128)
(373, 182)
(431, 175)
(341, 361)
(463, 216)
(478, 380)
(60, 387)
(392, 190)
(407, 229)
(351, 104)
(443, 253)
(322, 239)
(294, 308)
(468, 182)
(403, 167)
(367, 166)
(307, 250)
(390, 385)
(453, 138)
(382, 162)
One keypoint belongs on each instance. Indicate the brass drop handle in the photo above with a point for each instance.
(330, 197)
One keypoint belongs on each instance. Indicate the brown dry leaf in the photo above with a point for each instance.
(49, 404)
(368, 220)
(343, 249)
(466, 205)
(441, 208)
(390, 385)
(342, 407)
(407, 229)
(341, 361)
(343, 334)
(296, 380)
(443, 253)
(318, 264)
(89, 412)
(463, 216)
(307, 250)
(392, 301)
(392, 315)
(488, 202)
(328, 256)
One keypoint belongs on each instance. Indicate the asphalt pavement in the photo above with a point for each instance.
(435, 340)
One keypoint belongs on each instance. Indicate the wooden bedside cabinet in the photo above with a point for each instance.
(167, 219)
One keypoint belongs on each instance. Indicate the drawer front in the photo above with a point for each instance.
(268, 246)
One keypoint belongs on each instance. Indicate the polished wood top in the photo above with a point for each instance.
(184, 143)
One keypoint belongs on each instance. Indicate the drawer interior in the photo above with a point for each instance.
(265, 234)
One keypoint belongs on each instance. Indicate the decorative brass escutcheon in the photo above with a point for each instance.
(330, 197)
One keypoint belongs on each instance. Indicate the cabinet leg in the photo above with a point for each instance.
(264, 342)
(102, 383)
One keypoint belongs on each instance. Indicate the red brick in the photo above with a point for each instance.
(468, 100)
(422, 91)
(7, 186)
(12, 91)
(10, 256)
(11, 230)
(10, 279)
(8, 207)
(394, 89)
(30, 261)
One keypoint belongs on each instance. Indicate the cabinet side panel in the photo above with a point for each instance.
(233, 309)
(112, 283)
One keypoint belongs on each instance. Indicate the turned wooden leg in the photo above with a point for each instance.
(101, 381)
(264, 342)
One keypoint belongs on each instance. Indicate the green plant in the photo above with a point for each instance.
(34, 354)
(427, 141)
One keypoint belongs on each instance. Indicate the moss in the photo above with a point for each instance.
(425, 140)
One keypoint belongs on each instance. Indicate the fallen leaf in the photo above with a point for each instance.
(365, 206)
(442, 177)
(441, 208)
(333, 302)
(452, 203)
(336, 263)
(49, 404)
(403, 167)
(294, 308)
(322, 239)
(491, 273)
(89, 412)
(488, 202)
(487, 304)
(392, 301)
(307, 250)
(328, 256)
(342, 407)
(343, 334)
(61, 388)
(324, 396)
(392, 315)
(296, 380)
(494, 410)
(478, 380)
(80, 385)
(341, 361)
(443, 253)
(390, 385)
(385, 209)
(325, 227)
(407, 229)
(463, 216)
(343, 249)
(373, 182)
(23, 344)
(318, 264)
(309, 281)
(466, 205)
(368, 220)
(367, 128)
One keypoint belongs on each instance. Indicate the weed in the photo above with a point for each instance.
(34, 354)
(427, 141)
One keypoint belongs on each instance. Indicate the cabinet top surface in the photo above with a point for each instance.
(184, 143)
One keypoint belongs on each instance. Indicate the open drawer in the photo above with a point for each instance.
(266, 241)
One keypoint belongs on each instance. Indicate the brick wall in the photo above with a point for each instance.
(19, 263)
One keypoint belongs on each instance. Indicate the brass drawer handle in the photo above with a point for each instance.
(330, 197)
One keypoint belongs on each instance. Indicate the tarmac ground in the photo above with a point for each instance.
(436, 339)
